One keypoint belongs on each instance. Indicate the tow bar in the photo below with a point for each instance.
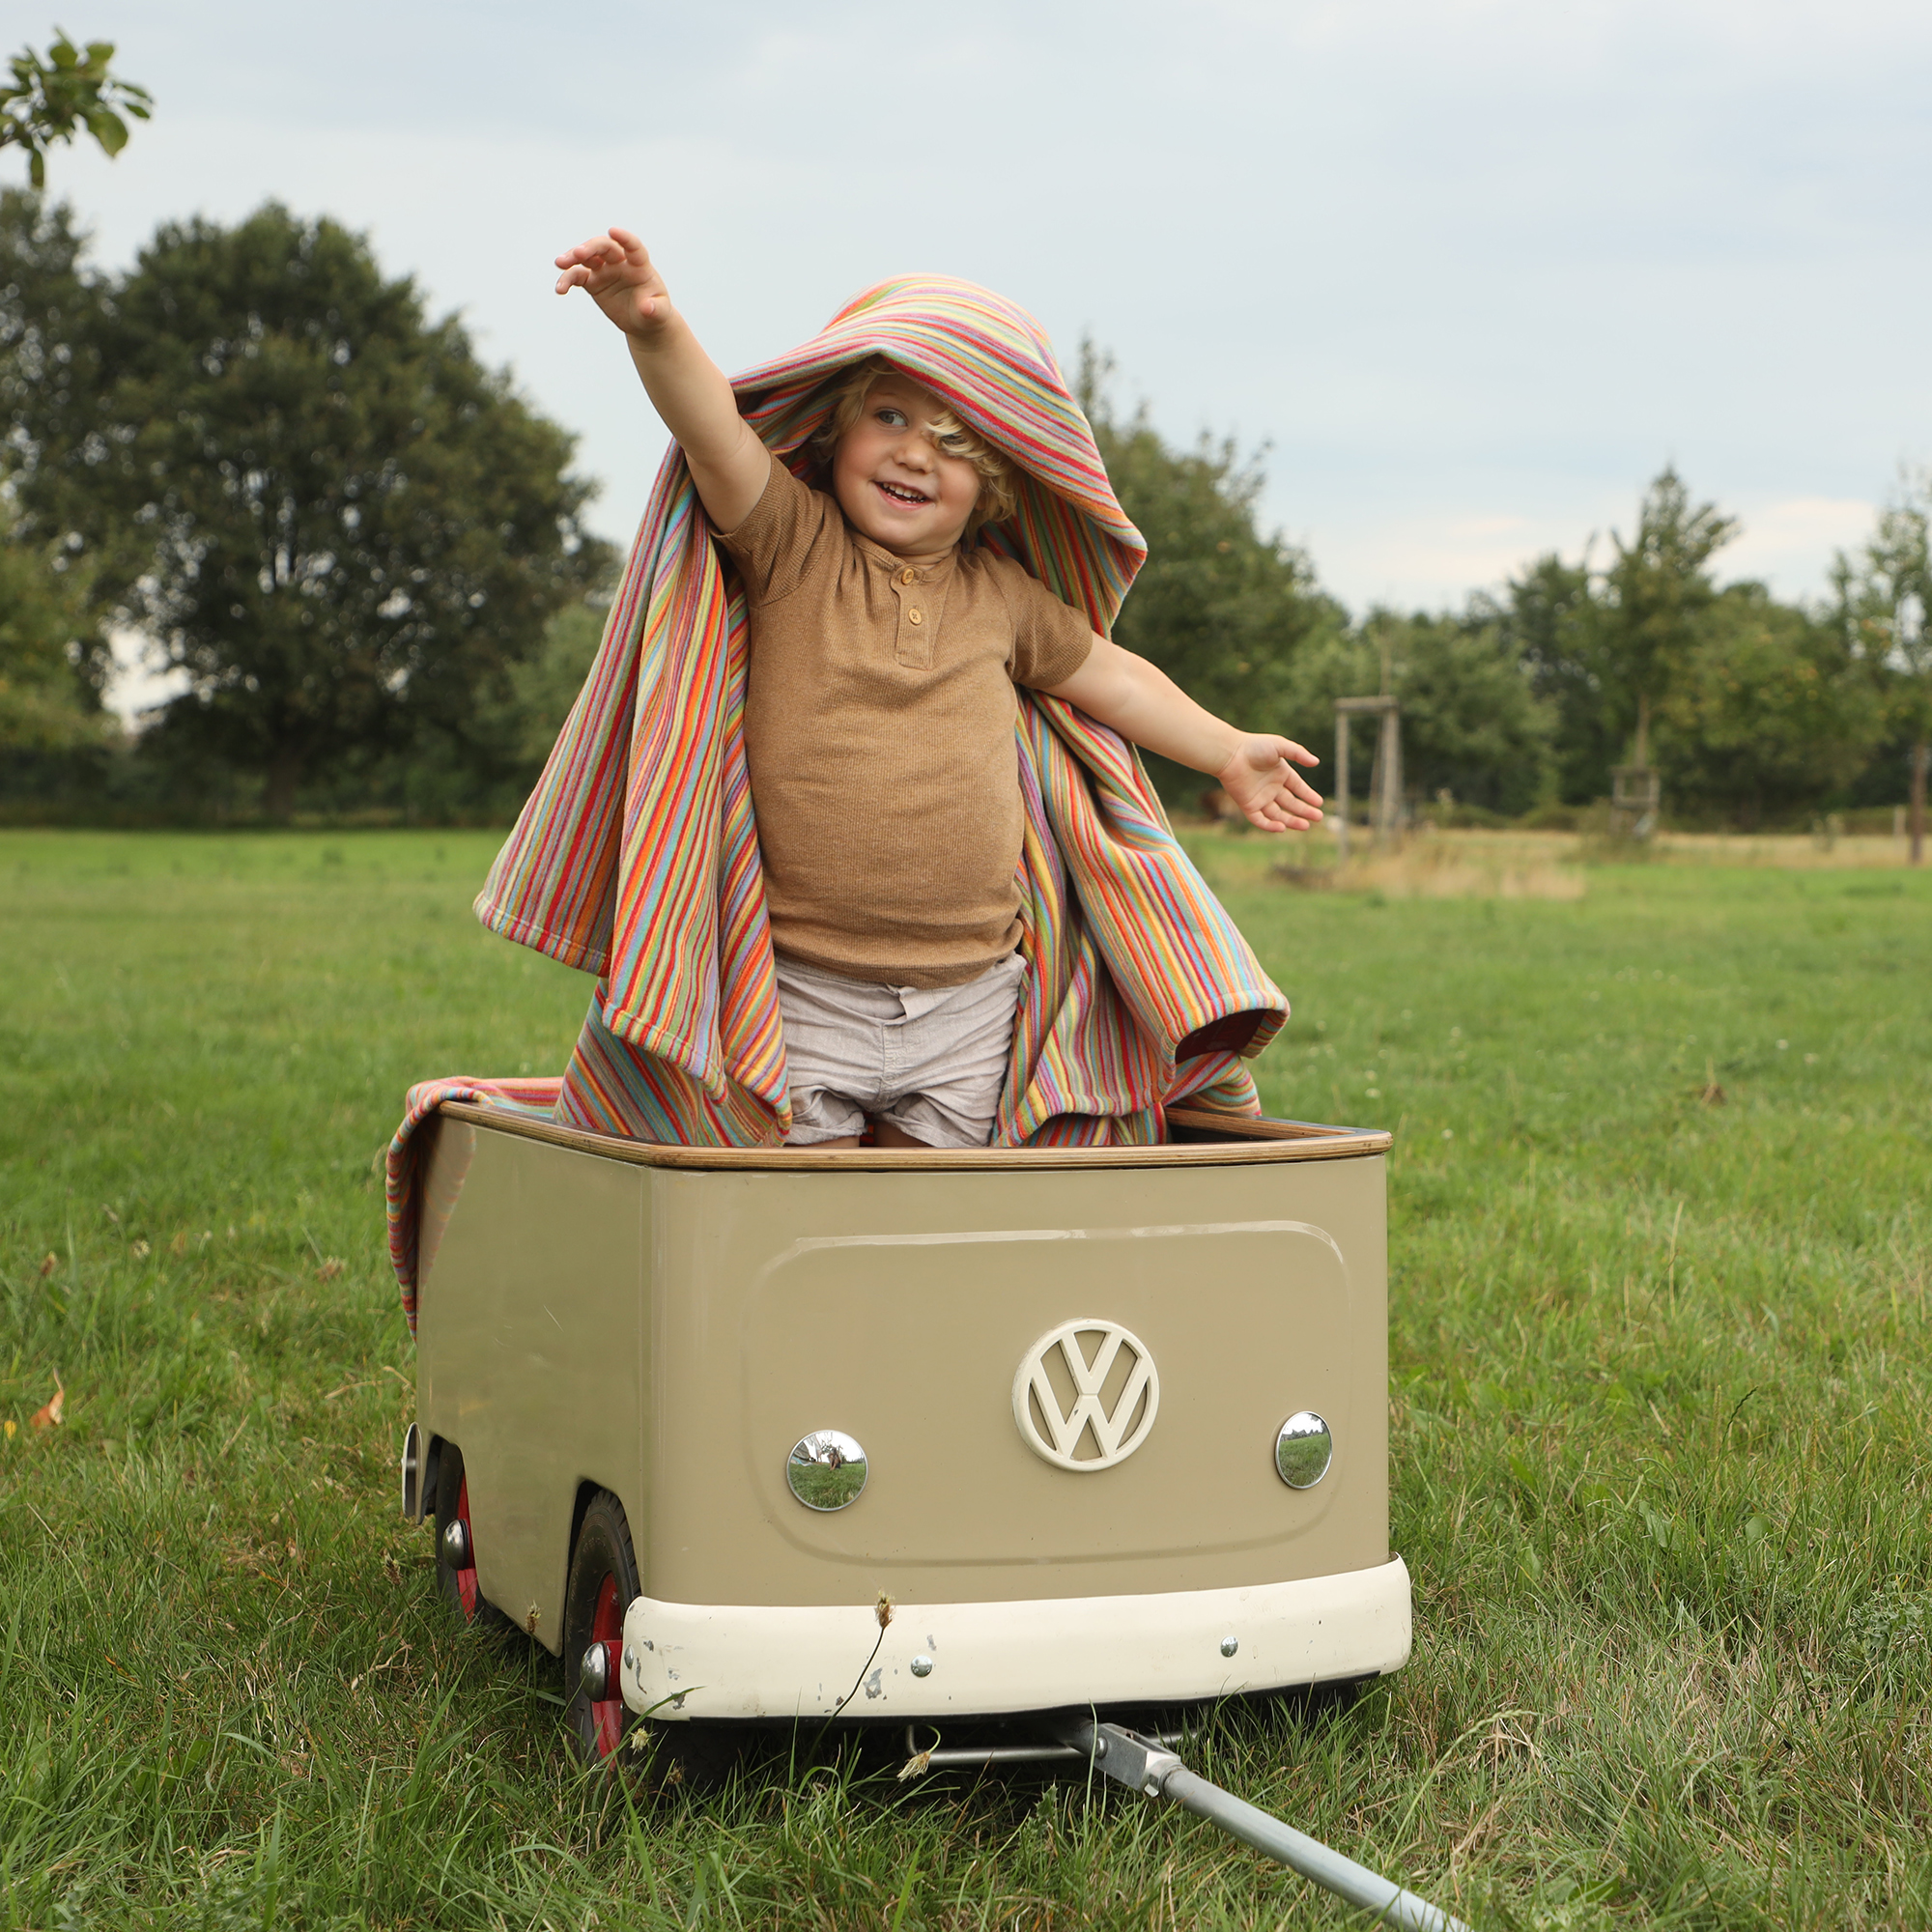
(1148, 1766)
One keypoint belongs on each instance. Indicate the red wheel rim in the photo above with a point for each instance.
(465, 1578)
(606, 1627)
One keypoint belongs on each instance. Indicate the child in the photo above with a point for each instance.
(879, 723)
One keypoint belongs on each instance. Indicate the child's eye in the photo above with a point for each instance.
(892, 419)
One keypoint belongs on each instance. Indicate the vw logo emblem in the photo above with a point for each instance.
(1085, 1394)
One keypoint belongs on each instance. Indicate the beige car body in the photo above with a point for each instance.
(666, 1322)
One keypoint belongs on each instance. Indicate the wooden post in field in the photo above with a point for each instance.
(1385, 807)
(1915, 809)
(1341, 786)
(1388, 763)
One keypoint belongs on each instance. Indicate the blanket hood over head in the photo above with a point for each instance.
(636, 856)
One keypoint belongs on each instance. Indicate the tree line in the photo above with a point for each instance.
(362, 557)
(1755, 711)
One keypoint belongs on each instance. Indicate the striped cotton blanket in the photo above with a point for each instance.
(636, 856)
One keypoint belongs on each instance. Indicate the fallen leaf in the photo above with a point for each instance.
(330, 1269)
(47, 1266)
(49, 1416)
(12, 1426)
(178, 1247)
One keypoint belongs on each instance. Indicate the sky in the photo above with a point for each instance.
(1470, 273)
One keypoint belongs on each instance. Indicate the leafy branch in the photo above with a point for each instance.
(54, 99)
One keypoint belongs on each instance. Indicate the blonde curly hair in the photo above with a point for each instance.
(999, 477)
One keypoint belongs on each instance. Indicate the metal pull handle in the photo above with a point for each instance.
(1148, 1767)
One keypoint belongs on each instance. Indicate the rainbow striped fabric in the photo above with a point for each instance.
(536, 1098)
(636, 856)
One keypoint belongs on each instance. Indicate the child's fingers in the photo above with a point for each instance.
(1292, 785)
(1294, 811)
(1287, 748)
(1262, 752)
(600, 250)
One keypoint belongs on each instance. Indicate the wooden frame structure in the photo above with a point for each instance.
(1635, 797)
(1385, 798)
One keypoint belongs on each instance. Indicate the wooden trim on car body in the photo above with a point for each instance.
(1237, 1140)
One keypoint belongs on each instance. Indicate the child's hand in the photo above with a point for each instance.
(615, 269)
(728, 464)
(1262, 780)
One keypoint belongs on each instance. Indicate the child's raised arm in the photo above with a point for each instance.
(1140, 701)
(728, 464)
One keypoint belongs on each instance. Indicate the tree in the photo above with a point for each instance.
(1550, 620)
(1884, 614)
(544, 687)
(1221, 607)
(1769, 713)
(46, 701)
(310, 499)
(48, 369)
(52, 100)
(1473, 724)
(51, 654)
(1656, 591)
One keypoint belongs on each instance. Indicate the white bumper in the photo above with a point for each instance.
(754, 1661)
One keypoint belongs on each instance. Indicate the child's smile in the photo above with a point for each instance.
(893, 481)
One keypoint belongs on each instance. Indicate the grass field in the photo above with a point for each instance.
(1658, 1409)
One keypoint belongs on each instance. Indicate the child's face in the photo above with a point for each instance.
(893, 482)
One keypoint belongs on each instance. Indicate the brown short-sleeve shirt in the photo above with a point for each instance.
(879, 733)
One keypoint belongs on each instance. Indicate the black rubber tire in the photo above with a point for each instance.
(601, 1557)
(459, 1587)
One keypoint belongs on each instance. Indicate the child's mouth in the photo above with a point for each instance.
(898, 492)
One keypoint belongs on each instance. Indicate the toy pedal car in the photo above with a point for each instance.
(1107, 1427)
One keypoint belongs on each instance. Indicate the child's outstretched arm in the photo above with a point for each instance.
(728, 464)
(1142, 703)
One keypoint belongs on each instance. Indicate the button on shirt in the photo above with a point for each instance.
(879, 734)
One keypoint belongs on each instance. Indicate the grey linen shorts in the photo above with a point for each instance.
(932, 1060)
